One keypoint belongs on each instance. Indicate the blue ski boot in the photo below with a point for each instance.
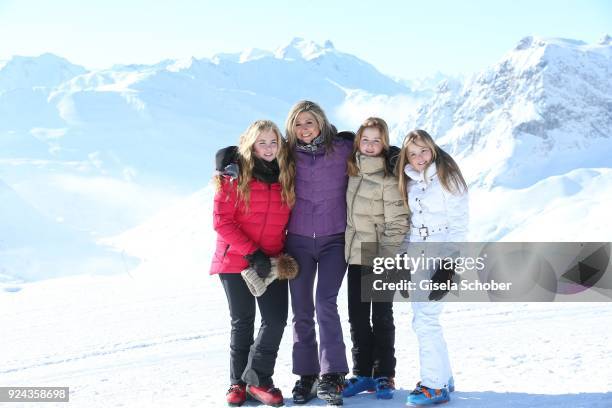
(357, 384)
(384, 387)
(423, 396)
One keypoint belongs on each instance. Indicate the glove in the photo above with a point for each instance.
(260, 262)
(442, 275)
(231, 170)
(225, 157)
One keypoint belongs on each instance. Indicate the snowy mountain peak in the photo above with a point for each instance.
(532, 42)
(525, 118)
(532, 54)
(328, 44)
(180, 64)
(252, 54)
(524, 43)
(299, 48)
(449, 84)
(605, 40)
(46, 70)
(163, 64)
(43, 59)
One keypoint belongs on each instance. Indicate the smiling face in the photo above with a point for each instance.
(266, 145)
(419, 156)
(371, 143)
(306, 127)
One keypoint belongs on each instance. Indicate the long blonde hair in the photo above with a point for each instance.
(246, 161)
(325, 128)
(371, 122)
(448, 171)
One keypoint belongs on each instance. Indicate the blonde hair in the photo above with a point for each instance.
(246, 161)
(448, 171)
(325, 128)
(371, 122)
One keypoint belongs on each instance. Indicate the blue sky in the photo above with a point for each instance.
(402, 38)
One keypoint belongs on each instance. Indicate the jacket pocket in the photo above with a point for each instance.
(221, 257)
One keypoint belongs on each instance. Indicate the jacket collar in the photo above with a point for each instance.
(429, 172)
(315, 145)
(369, 165)
(265, 171)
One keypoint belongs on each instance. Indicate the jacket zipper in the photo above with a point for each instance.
(314, 159)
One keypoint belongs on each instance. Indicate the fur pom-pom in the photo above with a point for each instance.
(287, 267)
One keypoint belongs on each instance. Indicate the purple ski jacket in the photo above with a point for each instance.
(320, 189)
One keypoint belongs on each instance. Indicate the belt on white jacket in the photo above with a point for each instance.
(426, 230)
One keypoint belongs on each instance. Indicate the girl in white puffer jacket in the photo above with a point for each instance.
(434, 189)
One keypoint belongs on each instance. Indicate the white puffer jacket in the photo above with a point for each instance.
(443, 213)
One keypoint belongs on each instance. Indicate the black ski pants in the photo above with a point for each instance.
(373, 340)
(252, 361)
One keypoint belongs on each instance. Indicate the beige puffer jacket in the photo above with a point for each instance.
(375, 211)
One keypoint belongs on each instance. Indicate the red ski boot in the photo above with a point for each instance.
(267, 395)
(236, 395)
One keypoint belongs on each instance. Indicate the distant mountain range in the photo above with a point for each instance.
(167, 119)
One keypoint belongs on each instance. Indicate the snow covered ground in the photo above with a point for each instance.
(141, 341)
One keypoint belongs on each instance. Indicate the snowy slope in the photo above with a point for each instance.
(572, 207)
(145, 342)
(177, 241)
(32, 247)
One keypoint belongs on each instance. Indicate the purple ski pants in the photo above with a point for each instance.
(322, 257)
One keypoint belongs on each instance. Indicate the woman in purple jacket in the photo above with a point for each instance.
(316, 240)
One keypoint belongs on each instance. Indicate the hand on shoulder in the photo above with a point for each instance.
(346, 135)
(226, 162)
(225, 157)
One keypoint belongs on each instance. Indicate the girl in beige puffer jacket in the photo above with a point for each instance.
(378, 220)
